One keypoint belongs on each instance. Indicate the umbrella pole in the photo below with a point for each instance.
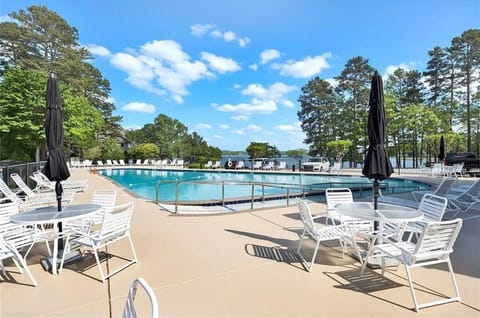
(58, 191)
(376, 194)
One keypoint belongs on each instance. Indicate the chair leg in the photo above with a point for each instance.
(313, 257)
(410, 284)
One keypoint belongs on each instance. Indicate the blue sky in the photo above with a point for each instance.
(233, 70)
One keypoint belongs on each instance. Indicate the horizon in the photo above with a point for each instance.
(232, 72)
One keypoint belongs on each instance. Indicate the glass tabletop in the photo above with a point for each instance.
(365, 210)
(51, 214)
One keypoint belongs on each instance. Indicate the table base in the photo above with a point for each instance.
(376, 262)
(70, 258)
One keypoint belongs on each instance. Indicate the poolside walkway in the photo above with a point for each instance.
(237, 265)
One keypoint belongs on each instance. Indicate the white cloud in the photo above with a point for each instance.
(305, 68)
(392, 68)
(97, 50)
(253, 67)
(253, 128)
(218, 136)
(237, 86)
(228, 36)
(201, 29)
(224, 126)
(238, 132)
(285, 127)
(241, 117)
(204, 126)
(256, 107)
(161, 67)
(139, 107)
(268, 55)
(220, 64)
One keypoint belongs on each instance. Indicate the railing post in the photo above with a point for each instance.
(253, 191)
(176, 196)
(288, 196)
(263, 192)
(156, 193)
(223, 193)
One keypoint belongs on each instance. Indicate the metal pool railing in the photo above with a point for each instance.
(282, 192)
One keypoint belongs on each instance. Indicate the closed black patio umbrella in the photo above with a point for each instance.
(56, 167)
(377, 164)
(441, 154)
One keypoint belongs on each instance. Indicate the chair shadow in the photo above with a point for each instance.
(88, 262)
(285, 250)
(369, 283)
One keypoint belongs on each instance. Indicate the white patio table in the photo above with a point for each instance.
(49, 215)
(385, 212)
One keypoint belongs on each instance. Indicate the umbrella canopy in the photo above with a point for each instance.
(441, 154)
(377, 164)
(56, 167)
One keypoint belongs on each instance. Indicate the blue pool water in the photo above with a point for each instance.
(143, 182)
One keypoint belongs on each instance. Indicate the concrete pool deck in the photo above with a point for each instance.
(237, 265)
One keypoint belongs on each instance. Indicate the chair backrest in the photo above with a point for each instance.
(282, 165)
(99, 162)
(306, 216)
(138, 162)
(444, 187)
(105, 197)
(437, 240)
(337, 195)
(8, 193)
(117, 221)
(337, 166)
(6, 211)
(433, 207)
(240, 164)
(257, 164)
(122, 162)
(130, 309)
(22, 185)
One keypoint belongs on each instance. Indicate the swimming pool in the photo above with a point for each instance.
(199, 186)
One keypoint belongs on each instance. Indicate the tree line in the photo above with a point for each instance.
(420, 106)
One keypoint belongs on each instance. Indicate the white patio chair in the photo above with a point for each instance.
(109, 162)
(115, 226)
(138, 162)
(433, 208)
(318, 232)
(131, 309)
(216, 165)
(336, 168)
(121, 162)
(23, 238)
(7, 250)
(334, 196)
(100, 163)
(145, 162)
(434, 246)
(115, 162)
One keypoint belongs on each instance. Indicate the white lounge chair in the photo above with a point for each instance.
(441, 190)
(434, 246)
(43, 183)
(115, 163)
(268, 166)
(41, 198)
(281, 165)
(99, 163)
(208, 165)
(130, 310)
(216, 165)
(138, 162)
(115, 227)
(257, 165)
(465, 200)
(121, 162)
(240, 165)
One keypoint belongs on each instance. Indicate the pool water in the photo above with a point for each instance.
(143, 182)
